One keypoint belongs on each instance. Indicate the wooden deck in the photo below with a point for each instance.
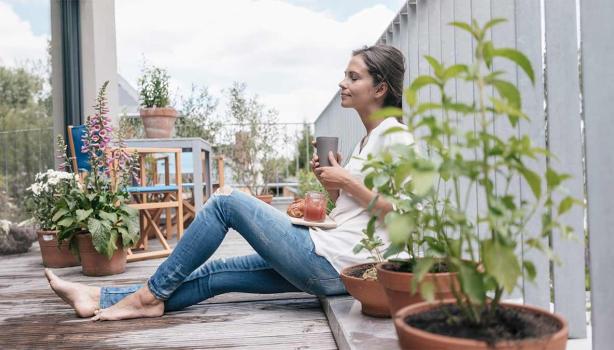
(32, 317)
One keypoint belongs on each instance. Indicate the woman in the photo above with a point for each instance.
(289, 258)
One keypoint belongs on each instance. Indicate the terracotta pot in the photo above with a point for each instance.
(96, 264)
(267, 198)
(411, 338)
(398, 286)
(158, 122)
(370, 293)
(54, 256)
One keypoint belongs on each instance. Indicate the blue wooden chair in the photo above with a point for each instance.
(150, 200)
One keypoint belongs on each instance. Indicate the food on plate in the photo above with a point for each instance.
(297, 208)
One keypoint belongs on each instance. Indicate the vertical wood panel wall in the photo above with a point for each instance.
(421, 28)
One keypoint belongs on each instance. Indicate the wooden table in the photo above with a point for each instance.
(201, 164)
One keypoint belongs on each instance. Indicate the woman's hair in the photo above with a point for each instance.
(386, 64)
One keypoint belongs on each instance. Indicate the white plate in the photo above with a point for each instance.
(328, 223)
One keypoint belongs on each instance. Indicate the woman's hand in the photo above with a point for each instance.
(332, 177)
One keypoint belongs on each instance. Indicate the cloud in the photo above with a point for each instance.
(291, 56)
(18, 43)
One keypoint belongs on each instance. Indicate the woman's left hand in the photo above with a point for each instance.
(333, 177)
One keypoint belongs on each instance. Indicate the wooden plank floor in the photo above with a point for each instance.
(32, 317)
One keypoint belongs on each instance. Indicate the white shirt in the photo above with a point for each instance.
(336, 244)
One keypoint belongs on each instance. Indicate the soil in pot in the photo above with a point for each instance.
(53, 255)
(397, 279)
(361, 283)
(96, 264)
(512, 326)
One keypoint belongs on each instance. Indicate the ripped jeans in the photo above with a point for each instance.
(285, 261)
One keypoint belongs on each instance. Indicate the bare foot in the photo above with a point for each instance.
(138, 305)
(84, 299)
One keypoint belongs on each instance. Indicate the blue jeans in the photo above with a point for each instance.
(285, 261)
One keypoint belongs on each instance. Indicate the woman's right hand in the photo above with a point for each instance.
(314, 160)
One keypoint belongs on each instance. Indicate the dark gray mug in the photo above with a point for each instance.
(324, 144)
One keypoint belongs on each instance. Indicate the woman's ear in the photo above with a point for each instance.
(381, 89)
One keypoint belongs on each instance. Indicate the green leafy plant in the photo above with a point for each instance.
(99, 206)
(48, 188)
(153, 87)
(432, 195)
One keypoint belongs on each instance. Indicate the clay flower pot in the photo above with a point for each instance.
(412, 338)
(158, 122)
(398, 286)
(96, 264)
(267, 198)
(370, 293)
(53, 255)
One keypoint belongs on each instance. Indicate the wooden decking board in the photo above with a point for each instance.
(32, 317)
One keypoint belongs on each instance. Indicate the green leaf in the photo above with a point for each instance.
(380, 180)
(112, 217)
(394, 130)
(508, 91)
(530, 268)
(427, 291)
(386, 112)
(422, 182)
(411, 97)
(517, 57)
(402, 173)
(420, 270)
(61, 212)
(566, 204)
(454, 71)
(66, 222)
(358, 248)
(83, 214)
(501, 262)
(466, 27)
(437, 67)
(394, 249)
(422, 81)
(533, 180)
(493, 22)
(471, 283)
(399, 227)
(95, 227)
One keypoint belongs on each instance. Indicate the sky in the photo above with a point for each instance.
(291, 53)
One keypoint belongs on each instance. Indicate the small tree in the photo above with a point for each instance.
(255, 138)
(198, 120)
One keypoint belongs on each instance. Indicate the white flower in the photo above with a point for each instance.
(36, 188)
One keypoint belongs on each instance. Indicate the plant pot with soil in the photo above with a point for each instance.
(54, 254)
(360, 281)
(437, 222)
(158, 122)
(514, 327)
(41, 198)
(397, 277)
(157, 115)
(95, 264)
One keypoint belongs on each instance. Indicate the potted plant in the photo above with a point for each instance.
(387, 173)
(95, 218)
(157, 115)
(41, 197)
(361, 280)
(487, 265)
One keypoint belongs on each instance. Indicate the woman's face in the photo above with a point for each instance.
(357, 90)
